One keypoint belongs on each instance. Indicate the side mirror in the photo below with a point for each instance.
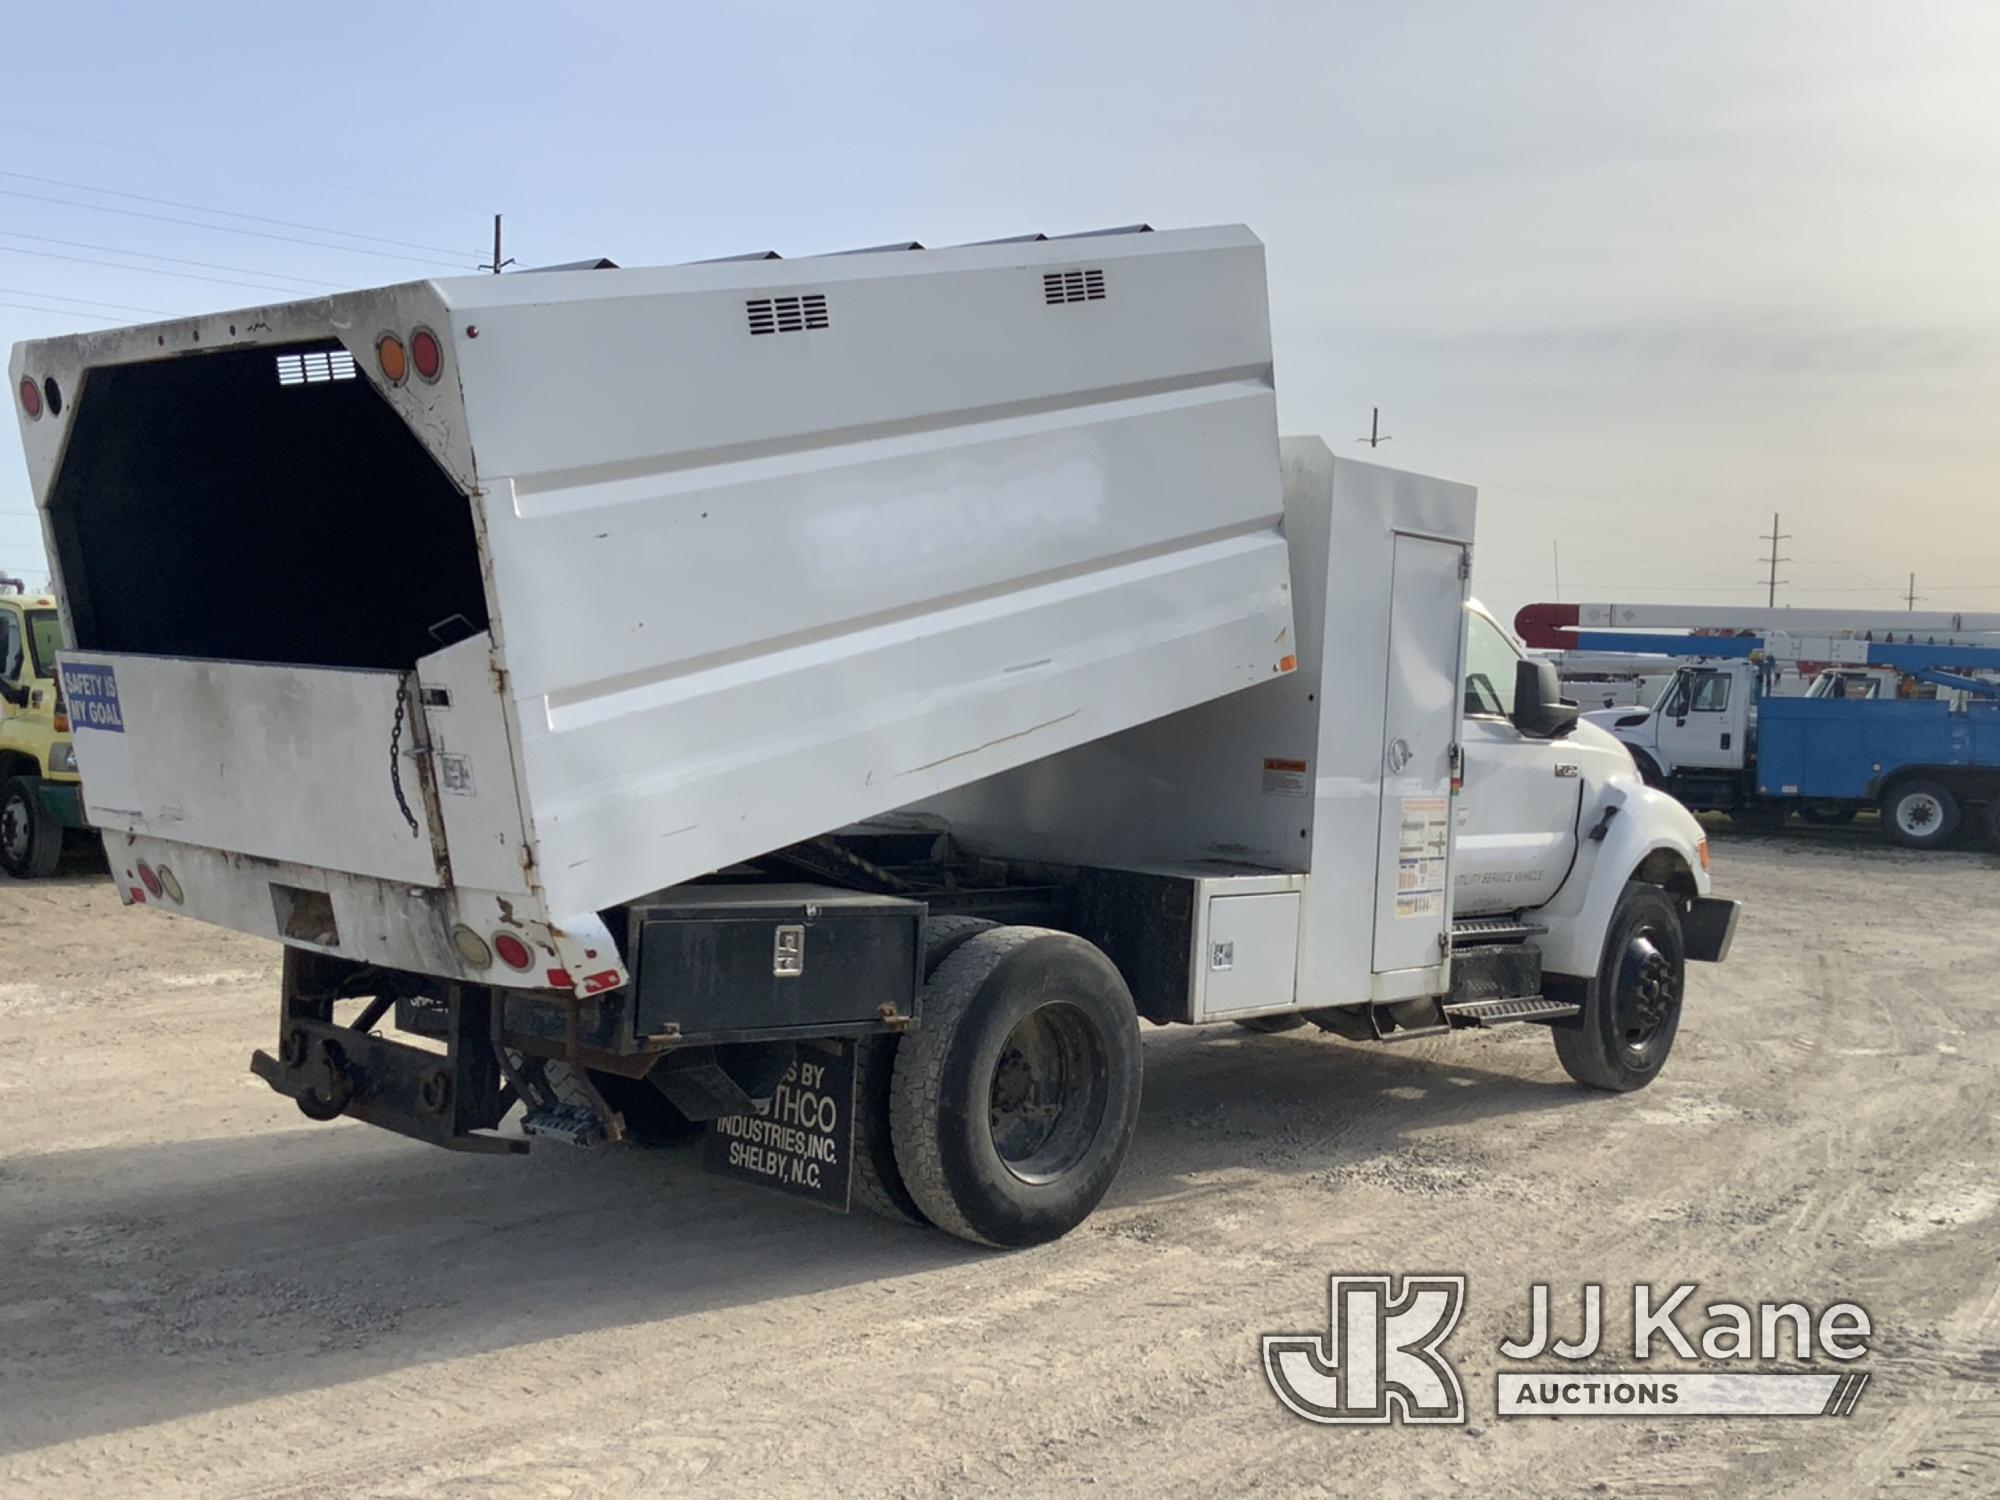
(1540, 710)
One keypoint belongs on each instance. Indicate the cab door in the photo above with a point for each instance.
(1516, 816)
(1701, 721)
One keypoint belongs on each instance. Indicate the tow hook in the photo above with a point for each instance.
(326, 1101)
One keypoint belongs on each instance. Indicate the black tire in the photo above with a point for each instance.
(1827, 814)
(1271, 1025)
(1649, 769)
(1632, 1009)
(30, 838)
(651, 1118)
(876, 1184)
(1920, 814)
(1015, 1099)
(1764, 817)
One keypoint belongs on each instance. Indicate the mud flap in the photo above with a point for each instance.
(802, 1142)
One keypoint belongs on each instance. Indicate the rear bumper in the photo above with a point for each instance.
(1709, 928)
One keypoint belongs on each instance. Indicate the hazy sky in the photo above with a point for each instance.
(1644, 273)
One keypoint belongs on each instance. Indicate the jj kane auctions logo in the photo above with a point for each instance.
(1382, 1358)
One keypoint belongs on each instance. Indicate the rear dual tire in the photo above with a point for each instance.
(1921, 814)
(1014, 1101)
(877, 1183)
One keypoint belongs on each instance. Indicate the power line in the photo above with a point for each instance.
(85, 260)
(70, 312)
(16, 291)
(227, 213)
(70, 138)
(179, 260)
(261, 234)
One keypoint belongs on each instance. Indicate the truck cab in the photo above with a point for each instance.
(1696, 736)
(39, 796)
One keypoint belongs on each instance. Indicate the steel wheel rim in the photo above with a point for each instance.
(1048, 1093)
(1919, 813)
(1648, 994)
(14, 828)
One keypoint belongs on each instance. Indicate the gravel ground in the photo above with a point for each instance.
(203, 1294)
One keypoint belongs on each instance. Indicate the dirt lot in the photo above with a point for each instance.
(201, 1293)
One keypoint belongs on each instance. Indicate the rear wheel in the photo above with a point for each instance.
(1632, 1011)
(877, 1184)
(1015, 1099)
(1920, 814)
(30, 837)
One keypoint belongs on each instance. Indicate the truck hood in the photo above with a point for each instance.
(1630, 716)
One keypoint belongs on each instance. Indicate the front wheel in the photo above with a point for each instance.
(1920, 814)
(1632, 1009)
(30, 837)
(1016, 1096)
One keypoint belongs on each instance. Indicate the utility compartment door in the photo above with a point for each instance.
(284, 763)
(1251, 962)
(1422, 702)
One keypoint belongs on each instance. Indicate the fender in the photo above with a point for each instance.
(1650, 836)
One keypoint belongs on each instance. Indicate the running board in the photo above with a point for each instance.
(1503, 1012)
(1476, 930)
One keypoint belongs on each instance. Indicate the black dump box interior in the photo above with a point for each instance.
(259, 505)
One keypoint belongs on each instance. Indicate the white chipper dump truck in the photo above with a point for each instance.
(821, 705)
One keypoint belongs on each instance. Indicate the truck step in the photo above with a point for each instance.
(1501, 1012)
(1476, 930)
(570, 1123)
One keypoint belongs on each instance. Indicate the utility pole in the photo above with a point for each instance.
(1910, 599)
(1556, 549)
(1376, 436)
(1774, 537)
(498, 264)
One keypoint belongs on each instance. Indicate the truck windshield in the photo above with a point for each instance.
(44, 640)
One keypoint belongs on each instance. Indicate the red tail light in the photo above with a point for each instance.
(31, 397)
(426, 353)
(514, 953)
(149, 879)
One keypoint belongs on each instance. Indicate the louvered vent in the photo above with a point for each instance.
(311, 369)
(787, 314)
(1059, 287)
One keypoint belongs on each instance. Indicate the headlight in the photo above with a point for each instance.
(62, 758)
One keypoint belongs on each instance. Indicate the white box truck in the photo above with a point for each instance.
(822, 706)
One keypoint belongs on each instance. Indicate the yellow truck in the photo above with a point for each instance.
(39, 792)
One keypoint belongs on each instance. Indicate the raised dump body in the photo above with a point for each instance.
(405, 618)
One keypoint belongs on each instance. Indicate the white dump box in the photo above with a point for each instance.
(402, 617)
